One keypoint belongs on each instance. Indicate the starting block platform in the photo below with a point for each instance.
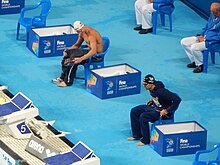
(16, 151)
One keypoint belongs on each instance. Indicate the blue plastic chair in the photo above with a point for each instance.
(36, 21)
(212, 49)
(211, 162)
(91, 64)
(162, 11)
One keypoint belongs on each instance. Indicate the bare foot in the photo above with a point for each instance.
(62, 84)
(140, 144)
(132, 138)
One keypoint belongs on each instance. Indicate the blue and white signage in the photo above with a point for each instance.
(23, 129)
(6, 159)
(178, 139)
(39, 148)
(51, 40)
(114, 81)
(11, 6)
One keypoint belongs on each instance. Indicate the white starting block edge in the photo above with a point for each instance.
(90, 161)
(16, 159)
(5, 91)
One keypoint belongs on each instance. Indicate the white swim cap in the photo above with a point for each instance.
(78, 25)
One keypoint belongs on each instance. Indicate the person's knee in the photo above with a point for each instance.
(136, 4)
(145, 9)
(183, 42)
(133, 111)
(144, 118)
(194, 47)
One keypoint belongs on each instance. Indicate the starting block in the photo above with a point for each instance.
(80, 154)
(14, 113)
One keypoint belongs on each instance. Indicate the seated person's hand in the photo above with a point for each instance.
(64, 53)
(163, 112)
(67, 61)
(200, 38)
(149, 102)
(77, 60)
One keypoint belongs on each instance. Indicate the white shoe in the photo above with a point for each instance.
(57, 80)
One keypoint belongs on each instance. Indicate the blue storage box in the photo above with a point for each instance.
(114, 81)
(178, 138)
(11, 6)
(51, 40)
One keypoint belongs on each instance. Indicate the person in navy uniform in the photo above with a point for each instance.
(210, 35)
(163, 103)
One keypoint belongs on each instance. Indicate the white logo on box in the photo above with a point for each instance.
(60, 42)
(36, 146)
(183, 140)
(5, 1)
(122, 82)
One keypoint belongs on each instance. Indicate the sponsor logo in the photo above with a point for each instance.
(5, 1)
(183, 140)
(169, 145)
(122, 85)
(122, 82)
(47, 45)
(60, 42)
(6, 159)
(60, 45)
(39, 148)
(13, 5)
(36, 146)
(187, 144)
(110, 85)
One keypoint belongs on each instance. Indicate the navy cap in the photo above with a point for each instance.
(149, 79)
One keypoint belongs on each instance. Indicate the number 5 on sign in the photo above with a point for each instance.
(23, 128)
